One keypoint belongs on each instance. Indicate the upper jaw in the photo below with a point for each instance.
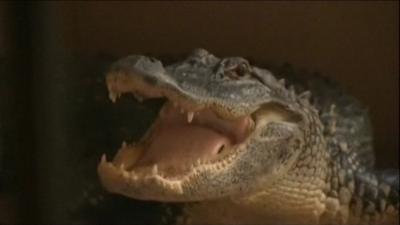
(194, 86)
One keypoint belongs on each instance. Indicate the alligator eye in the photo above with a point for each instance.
(241, 69)
(233, 68)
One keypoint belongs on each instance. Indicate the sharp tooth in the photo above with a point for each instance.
(198, 162)
(154, 170)
(103, 158)
(112, 96)
(190, 116)
(139, 98)
(122, 167)
(124, 144)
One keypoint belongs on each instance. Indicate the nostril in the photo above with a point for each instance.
(221, 149)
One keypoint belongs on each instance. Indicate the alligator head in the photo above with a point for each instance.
(227, 129)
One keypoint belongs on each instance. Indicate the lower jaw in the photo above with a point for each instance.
(131, 184)
(176, 145)
(132, 158)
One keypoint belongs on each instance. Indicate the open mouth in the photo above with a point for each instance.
(199, 145)
(184, 136)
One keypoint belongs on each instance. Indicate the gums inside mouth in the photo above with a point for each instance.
(179, 139)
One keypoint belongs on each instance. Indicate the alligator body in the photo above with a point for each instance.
(238, 146)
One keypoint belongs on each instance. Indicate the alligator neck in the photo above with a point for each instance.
(361, 196)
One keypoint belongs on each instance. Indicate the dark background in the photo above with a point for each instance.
(54, 112)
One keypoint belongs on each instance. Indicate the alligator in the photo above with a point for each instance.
(237, 145)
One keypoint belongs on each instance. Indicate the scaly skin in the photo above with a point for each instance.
(298, 162)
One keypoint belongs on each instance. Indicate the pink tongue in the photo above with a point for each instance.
(180, 145)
